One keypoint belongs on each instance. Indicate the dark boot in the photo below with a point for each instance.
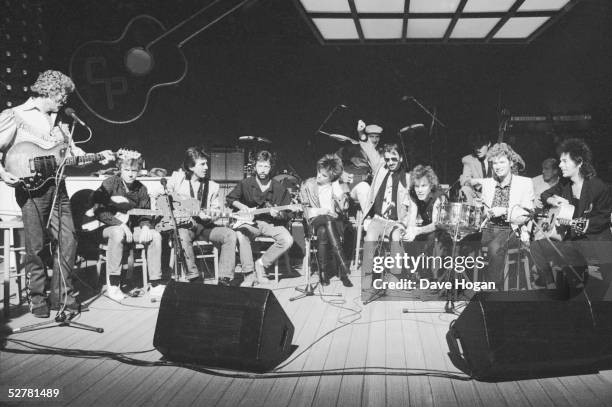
(324, 263)
(336, 247)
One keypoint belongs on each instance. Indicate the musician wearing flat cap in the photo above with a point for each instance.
(360, 161)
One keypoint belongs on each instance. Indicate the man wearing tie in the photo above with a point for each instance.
(192, 181)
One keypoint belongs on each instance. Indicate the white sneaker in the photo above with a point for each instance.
(115, 293)
(157, 291)
(260, 271)
(249, 280)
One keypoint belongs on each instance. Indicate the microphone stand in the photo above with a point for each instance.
(179, 258)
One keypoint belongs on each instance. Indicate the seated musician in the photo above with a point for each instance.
(327, 202)
(425, 192)
(507, 197)
(585, 243)
(117, 195)
(259, 191)
(360, 161)
(475, 165)
(389, 209)
(192, 182)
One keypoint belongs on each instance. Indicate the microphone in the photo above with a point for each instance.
(343, 106)
(70, 112)
(411, 127)
(164, 182)
(405, 98)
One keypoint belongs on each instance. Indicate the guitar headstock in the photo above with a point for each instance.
(579, 225)
(127, 154)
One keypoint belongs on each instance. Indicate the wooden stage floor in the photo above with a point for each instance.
(405, 356)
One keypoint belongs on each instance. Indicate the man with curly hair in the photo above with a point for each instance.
(587, 243)
(35, 121)
(507, 198)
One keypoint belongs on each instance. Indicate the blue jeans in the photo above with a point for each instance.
(36, 210)
(282, 242)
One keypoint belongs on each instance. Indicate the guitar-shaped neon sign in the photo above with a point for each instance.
(114, 79)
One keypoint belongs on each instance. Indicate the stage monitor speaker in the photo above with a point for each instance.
(225, 327)
(530, 334)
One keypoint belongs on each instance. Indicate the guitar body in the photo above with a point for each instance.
(115, 79)
(558, 222)
(34, 164)
(183, 213)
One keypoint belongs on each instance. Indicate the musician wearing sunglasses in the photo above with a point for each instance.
(115, 197)
(34, 124)
(326, 205)
(507, 199)
(192, 182)
(389, 209)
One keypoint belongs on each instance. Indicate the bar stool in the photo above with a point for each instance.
(514, 257)
(9, 229)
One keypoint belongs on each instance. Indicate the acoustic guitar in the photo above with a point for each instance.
(557, 222)
(114, 79)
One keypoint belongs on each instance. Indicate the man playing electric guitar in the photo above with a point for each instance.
(257, 192)
(119, 194)
(192, 181)
(588, 242)
(34, 122)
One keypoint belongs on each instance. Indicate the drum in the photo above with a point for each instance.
(459, 216)
(292, 183)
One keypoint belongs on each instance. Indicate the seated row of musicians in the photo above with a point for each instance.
(122, 192)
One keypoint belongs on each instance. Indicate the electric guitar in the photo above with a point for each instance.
(36, 165)
(557, 222)
(184, 212)
(242, 218)
(114, 79)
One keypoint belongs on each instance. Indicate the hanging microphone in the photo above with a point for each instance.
(412, 127)
(70, 112)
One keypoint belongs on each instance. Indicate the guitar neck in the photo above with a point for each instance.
(198, 22)
(267, 210)
(83, 159)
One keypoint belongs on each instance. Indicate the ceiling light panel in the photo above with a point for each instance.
(379, 6)
(326, 6)
(473, 27)
(336, 28)
(483, 6)
(381, 28)
(430, 6)
(542, 5)
(427, 27)
(520, 27)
